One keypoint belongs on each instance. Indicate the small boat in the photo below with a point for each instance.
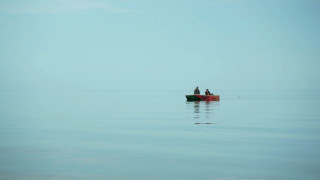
(197, 97)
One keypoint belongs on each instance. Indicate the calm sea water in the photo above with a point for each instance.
(137, 135)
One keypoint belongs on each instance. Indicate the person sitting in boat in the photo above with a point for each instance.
(196, 90)
(208, 92)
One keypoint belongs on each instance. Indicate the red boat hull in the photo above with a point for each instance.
(203, 97)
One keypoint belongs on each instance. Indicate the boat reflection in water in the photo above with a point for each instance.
(201, 109)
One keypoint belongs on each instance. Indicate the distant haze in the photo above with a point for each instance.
(167, 44)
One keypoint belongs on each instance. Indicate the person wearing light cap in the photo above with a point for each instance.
(196, 90)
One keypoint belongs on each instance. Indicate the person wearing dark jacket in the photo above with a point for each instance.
(208, 92)
(196, 90)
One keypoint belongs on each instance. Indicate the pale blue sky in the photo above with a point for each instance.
(160, 44)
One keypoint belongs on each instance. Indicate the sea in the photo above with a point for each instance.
(158, 135)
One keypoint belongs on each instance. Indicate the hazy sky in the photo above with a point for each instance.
(160, 44)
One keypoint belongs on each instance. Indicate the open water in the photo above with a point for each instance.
(137, 135)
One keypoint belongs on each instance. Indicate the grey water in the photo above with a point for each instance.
(136, 135)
